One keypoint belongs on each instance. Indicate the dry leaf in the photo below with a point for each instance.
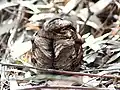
(30, 26)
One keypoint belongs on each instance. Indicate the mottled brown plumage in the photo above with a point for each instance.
(57, 46)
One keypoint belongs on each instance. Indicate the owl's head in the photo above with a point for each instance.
(56, 24)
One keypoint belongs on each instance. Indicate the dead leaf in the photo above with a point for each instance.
(30, 26)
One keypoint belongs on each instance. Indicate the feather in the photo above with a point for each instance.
(57, 46)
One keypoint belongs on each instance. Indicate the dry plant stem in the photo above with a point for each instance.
(90, 13)
(10, 43)
(110, 14)
(101, 69)
(7, 10)
(18, 20)
(2, 41)
(63, 72)
(61, 87)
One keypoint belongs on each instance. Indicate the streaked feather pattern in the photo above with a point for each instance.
(57, 46)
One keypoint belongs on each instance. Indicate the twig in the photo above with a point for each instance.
(90, 13)
(7, 10)
(110, 14)
(61, 87)
(9, 44)
(3, 38)
(101, 69)
(62, 72)
(23, 11)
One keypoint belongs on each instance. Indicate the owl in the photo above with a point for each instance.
(57, 46)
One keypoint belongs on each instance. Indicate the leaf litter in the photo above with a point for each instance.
(98, 22)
